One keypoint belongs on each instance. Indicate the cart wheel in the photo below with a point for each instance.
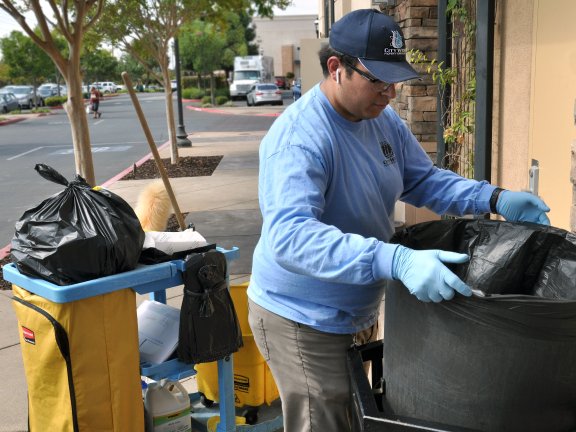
(205, 401)
(251, 416)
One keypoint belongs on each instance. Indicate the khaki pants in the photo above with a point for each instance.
(309, 367)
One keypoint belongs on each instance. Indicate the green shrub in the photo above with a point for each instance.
(223, 92)
(3, 118)
(192, 93)
(15, 112)
(221, 100)
(86, 95)
(206, 100)
(64, 99)
(123, 91)
(289, 75)
(229, 104)
(206, 105)
(53, 101)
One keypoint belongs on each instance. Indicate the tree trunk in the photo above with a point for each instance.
(204, 74)
(78, 122)
(199, 79)
(175, 158)
(212, 89)
(147, 79)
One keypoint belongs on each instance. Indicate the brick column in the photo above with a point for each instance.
(573, 180)
(416, 101)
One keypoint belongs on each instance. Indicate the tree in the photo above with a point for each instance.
(153, 23)
(4, 76)
(25, 58)
(100, 65)
(205, 45)
(73, 20)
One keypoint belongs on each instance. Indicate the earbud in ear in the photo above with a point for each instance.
(338, 76)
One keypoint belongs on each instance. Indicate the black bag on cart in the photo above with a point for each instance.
(77, 235)
(209, 326)
(502, 360)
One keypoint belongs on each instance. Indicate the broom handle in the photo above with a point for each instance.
(152, 145)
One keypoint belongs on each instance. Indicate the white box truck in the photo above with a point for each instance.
(250, 70)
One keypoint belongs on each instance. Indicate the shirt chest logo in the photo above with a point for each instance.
(389, 156)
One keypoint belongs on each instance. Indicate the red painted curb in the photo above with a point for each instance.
(269, 115)
(208, 110)
(4, 251)
(7, 122)
(191, 100)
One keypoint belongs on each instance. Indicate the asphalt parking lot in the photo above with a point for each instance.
(117, 142)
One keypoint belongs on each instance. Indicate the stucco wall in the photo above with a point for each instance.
(272, 34)
(512, 88)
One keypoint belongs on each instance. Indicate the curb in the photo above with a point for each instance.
(191, 100)
(6, 250)
(208, 110)
(231, 113)
(7, 122)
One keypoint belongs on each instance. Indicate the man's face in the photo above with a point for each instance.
(356, 99)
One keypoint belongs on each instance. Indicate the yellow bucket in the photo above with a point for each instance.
(253, 381)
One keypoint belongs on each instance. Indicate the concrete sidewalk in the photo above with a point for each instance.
(224, 208)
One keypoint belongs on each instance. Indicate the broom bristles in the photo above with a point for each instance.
(154, 207)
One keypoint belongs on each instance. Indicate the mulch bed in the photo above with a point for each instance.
(189, 166)
(4, 285)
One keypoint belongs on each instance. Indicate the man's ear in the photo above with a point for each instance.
(333, 66)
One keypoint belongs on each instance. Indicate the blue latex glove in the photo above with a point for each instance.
(522, 206)
(423, 273)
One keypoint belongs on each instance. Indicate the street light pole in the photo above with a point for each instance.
(181, 135)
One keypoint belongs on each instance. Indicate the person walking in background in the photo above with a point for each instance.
(95, 101)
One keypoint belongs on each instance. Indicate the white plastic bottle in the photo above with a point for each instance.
(167, 407)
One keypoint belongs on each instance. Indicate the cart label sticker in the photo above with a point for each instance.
(241, 383)
(177, 421)
(29, 335)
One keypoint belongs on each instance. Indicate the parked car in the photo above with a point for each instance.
(266, 93)
(297, 89)
(25, 96)
(46, 92)
(282, 82)
(105, 87)
(8, 102)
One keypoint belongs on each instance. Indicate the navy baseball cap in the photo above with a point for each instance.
(377, 41)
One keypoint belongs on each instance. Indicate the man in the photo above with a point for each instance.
(95, 101)
(331, 169)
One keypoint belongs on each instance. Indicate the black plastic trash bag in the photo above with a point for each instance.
(209, 326)
(502, 360)
(77, 235)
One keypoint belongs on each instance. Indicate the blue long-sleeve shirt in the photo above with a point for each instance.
(327, 190)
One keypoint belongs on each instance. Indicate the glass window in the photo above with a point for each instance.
(267, 87)
(246, 75)
(20, 90)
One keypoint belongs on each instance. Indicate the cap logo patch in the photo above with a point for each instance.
(396, 39)
(396, 45)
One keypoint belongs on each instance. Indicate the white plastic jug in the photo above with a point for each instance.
(167, 407)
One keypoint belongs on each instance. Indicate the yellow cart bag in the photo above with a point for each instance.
(254, 384)
(82, 363)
